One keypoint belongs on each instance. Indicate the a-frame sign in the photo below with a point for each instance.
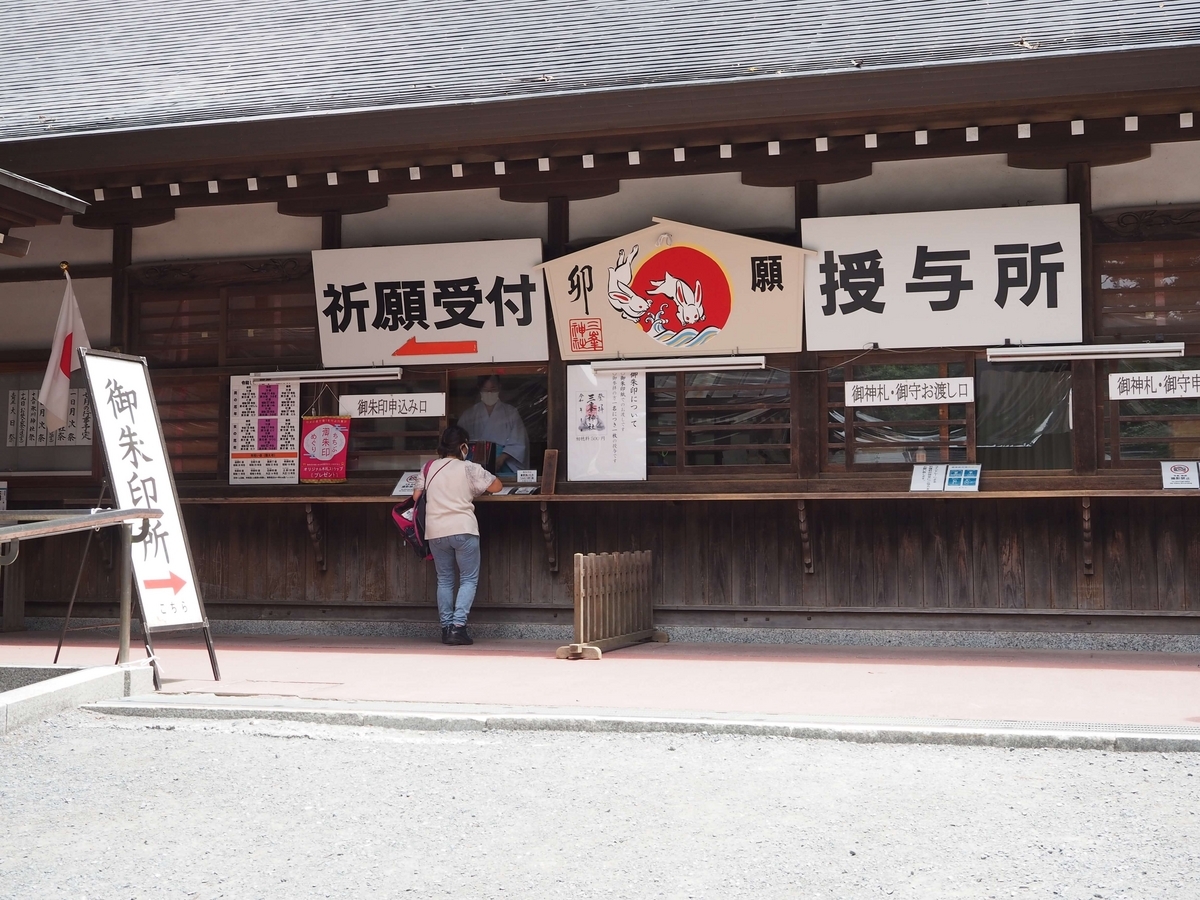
(126, 419)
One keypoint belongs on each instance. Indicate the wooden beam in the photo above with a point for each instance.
(119, 314)
(53, 273)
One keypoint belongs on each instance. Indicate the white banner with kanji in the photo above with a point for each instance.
(606, 424)
(140, 473)
(960, 278)
(677, 290)
(477, 302)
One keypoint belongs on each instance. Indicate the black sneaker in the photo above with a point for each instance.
(459, 636)
(445, 634)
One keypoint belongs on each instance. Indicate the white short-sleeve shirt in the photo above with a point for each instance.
(453, 485)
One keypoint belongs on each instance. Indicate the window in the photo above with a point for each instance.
(719, 419)
(1023, 415)
(896, 437)
(1141, 432)
(1148, 288)
(195, 421)
(514, 421)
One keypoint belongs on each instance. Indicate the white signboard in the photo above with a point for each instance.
(961, 278)
(1154, 385)
(392, 406)
(606, 425)
(407, 484)
(677, 290)
(928, 478)
(910, 392)
(1180, 476)
(140, 476)
(963, 477)
(264, 432)
(431, 303)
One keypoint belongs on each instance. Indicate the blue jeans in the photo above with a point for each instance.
(463, 550)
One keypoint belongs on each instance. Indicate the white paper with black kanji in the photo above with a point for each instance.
(606, 425)
(128, 430)
(479, 302)
(960, 278)
(264, 432)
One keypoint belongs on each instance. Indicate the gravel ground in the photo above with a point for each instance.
(94, 807)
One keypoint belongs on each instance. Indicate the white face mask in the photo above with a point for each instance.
(489, 398)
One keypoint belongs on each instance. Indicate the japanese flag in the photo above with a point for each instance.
(69, 336)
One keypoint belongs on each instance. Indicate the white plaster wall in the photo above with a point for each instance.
(29, 311)
(921, 185)
(210, 232)
(1170, 176)
(718, 201)
(444, 217)
(51, 244)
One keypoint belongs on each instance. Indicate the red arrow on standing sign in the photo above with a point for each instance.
(174, 582)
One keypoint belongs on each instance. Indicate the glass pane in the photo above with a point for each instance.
(1149, 288)
(738, 418)
(1023, 415)
(1158, 429)
(507, 411)
(904, 435)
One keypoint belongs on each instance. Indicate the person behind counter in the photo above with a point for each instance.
(491, 419)
(452, 529)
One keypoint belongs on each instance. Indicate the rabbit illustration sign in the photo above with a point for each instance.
(678, 290)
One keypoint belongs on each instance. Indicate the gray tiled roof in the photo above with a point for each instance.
(75, 66)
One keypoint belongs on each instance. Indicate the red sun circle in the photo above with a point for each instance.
(690, 266)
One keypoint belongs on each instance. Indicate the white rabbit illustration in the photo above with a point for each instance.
(690, 303)
(620, 294)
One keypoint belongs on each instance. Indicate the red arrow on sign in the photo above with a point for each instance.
(174, 582)
(413, 347)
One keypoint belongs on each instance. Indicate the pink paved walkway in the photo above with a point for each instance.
(1070, 686)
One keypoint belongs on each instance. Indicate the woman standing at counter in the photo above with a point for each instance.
(452, 530)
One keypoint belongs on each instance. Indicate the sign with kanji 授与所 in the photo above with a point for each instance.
(606, 425)
(129, 432)
(960, 278)
(1168, 385)
(677, 290)
(431, 303)
(264, 431)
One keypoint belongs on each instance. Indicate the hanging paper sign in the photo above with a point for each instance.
(392, 406)
(264, 432)
(431, 303)
(606, 425)
(140, 476)
(677, 290)
(962, 278)
(1153, 385)
(910, 391)
(324, 445)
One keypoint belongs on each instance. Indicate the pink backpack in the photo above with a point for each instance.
(410, 518)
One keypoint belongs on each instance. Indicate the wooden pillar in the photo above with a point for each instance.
(119, 315)
(807, 383)
(1086, 423)
(331, 231)
(13, 618)
(558, 235)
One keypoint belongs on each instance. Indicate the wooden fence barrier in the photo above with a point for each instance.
(613, 604)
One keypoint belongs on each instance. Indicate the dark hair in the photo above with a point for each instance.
(484, 379)
(452, 439)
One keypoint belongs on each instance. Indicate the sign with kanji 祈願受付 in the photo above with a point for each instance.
(910, 391)
(431, 303)
(606, 425)
(392, 406)
(264, 431)
(1154, 385)
(961, 278)
(127, 424)
(677, 290)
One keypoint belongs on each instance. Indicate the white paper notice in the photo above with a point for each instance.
(606, 425)
(264, 432)
(928, 478)
(140, 473)
(1180, 476)
(963, 477)
(392, 406)
(406, 485)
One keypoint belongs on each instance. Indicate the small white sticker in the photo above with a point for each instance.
(527, 476)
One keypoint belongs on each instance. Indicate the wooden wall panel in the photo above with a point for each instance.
(894, 555)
